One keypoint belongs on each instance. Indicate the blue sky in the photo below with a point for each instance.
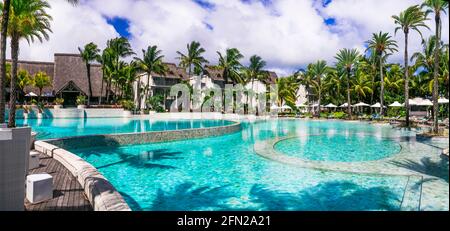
(287, 34)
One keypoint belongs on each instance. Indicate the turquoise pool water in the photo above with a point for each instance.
(59, 128)
(339, 147)
(224, 173)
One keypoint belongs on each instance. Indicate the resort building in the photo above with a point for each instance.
(69, 80)
(68, 76)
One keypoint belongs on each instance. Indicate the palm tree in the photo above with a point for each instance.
(193, 58)
(287, 89)
(361, 84)
(89, 54)
(152, 62)
(230, 65)
(425, 60)
(105, 59)
(255, 72)
(412, 19)
(5, 7)
(318, 72)
(24, 79)
(394, 79)
(118, 48)
(437, 7)
(383, 46)
(28, 20)
(347, 60)
(370, 65)
(41, 80)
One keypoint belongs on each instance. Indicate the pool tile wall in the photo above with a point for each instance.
(143, 138)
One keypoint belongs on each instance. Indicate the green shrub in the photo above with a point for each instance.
(155, 102)
(59, 101)
(308, 115)
(128, 105)
(339, 115)
(324, 115)
(81, 100)
(33, 102)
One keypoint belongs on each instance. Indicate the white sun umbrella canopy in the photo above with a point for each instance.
(31, 94)
(344, 105)
(414, 102)
(361, 104)
(443, 101)
(396, 104)
(300, 105)
(377, 105)
(330, 106)
(425, 102)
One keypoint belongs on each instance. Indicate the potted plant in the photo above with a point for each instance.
(41, 108)
(26, 111)
(128, 106)
(58, 103)
(81, 102)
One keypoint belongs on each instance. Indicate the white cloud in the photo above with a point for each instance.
(288, 34)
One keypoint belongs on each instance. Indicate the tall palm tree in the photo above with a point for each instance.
(28, 20)
(437, 7)
(412, 19)
(193, 58)
(255, 69)
(318, 71)
(89, 54)
(254, 72)
(118, 48)
(105, 59)
(5, 7)
(383, 45)
(151, 62)
(230, 65)
(347, 60)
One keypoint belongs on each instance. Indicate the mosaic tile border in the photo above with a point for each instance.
(143, 138)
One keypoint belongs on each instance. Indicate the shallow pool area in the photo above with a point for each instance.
(225, 172)
(61, 128)
(339, 147)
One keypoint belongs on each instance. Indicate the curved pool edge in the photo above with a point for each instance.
(371, 167)
(79, 142)
(101, 194)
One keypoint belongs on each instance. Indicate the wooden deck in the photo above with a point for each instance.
(67, 195)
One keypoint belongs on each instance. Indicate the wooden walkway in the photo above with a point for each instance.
(67, 195)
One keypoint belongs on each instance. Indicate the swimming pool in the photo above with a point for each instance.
(339, 147)
(225, 173)
(60, 128)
